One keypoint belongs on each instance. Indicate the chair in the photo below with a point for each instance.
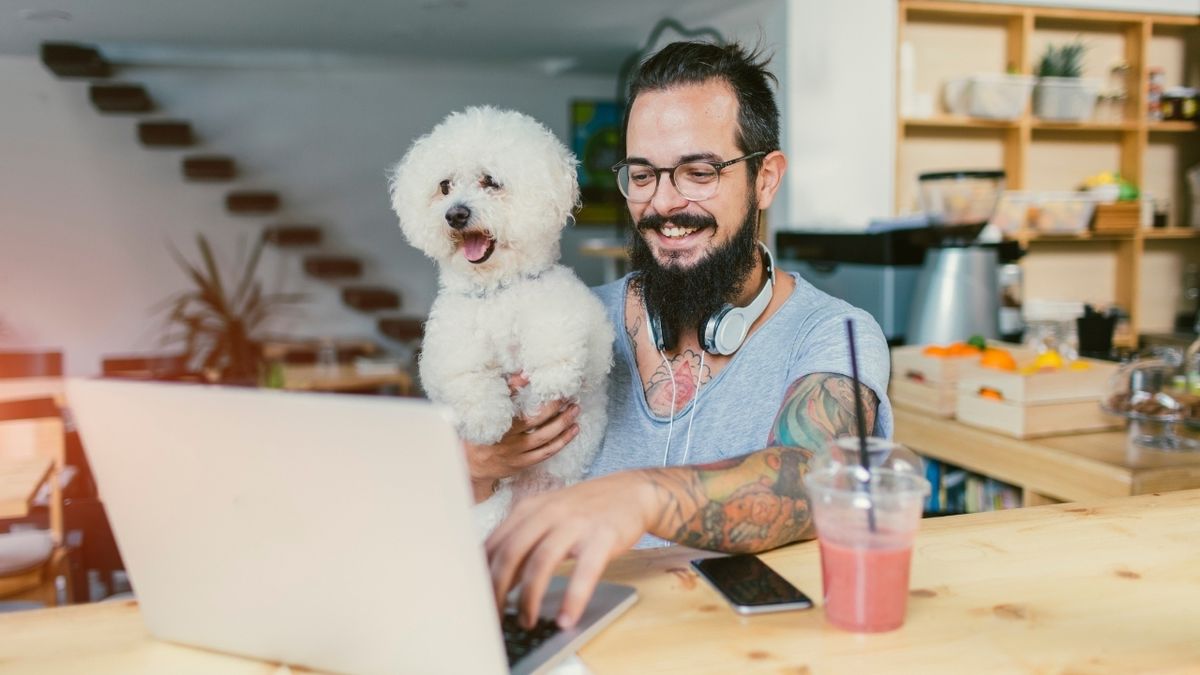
(32, 560)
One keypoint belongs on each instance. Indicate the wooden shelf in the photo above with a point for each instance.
(955, 122)
(1039, 154)
(1173, 127)
(1172, 233)
(1041, 125)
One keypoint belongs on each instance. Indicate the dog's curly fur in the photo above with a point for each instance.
(486, 195)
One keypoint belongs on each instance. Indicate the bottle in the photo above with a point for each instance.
(1154, 94)
(327, 358)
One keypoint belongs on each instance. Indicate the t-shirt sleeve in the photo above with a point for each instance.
(824, 348)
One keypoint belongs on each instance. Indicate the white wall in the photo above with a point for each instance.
(85, 212)
(840, 92)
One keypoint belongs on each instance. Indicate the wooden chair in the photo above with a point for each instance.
(31, 561)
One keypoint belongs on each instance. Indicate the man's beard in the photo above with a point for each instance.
(683, 297)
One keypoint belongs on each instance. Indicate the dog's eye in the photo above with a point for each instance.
(445, 186)
(488, 182)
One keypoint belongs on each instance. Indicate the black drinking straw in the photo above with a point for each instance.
(862, 424)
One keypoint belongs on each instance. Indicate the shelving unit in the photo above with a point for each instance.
(954, 39)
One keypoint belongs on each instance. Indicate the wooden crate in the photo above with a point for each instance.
(931, 398)
(909, 363)
(1118, 217)
(1033, 420)
(1040, 404)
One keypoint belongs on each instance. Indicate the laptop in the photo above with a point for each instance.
(321, 530)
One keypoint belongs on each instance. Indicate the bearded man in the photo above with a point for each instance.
(730, 376)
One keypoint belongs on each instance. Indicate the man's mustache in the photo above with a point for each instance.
(654, 221)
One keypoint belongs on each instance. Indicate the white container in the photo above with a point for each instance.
(1068, 99)
(989, 95)
(1012, 211)
(1063, 212)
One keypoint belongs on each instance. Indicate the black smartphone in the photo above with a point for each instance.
(750, 586)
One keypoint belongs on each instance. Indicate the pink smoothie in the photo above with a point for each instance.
(866, 589)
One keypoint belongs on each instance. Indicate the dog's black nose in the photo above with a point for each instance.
(457, 216)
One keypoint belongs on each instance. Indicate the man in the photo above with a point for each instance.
(702, 160)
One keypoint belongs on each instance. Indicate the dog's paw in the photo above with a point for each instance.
(485, 424)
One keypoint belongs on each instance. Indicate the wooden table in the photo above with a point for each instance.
(20, 479)
(343, 378)
(1105, 587)
(1058, 468)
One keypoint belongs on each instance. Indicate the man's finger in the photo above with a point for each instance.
(539, 567)
(516, 381)
(589, 566)
(508, 548)
(553, 429)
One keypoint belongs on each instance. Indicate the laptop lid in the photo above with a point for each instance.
(329, 531)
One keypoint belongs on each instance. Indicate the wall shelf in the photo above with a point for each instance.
(955, 39)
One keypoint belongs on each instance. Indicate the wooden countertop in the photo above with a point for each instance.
(1106, 587)
(1067, 468)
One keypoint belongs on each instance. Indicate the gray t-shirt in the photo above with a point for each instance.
(737, 408)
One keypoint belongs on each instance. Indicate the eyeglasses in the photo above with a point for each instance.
(696, 181)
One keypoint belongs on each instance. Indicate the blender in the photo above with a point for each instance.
(956, 293)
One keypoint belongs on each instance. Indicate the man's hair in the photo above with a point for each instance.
(682, 63)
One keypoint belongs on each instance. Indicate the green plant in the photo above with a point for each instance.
(217, 328)
(1063, 61)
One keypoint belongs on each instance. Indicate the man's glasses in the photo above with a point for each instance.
(696, 181)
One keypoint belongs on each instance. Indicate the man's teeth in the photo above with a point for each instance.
(677, 232)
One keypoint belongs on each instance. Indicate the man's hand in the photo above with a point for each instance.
(591, 522)
(530, 440)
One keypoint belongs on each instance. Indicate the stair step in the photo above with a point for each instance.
(252, 202)
(293, 235)
(166, 134)
(333, 267)
(66, 59)
(370, 298)
(120, 98)
(213, 168)
(402, 328)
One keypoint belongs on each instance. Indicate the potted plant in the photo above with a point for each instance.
(1061, 92)
(216, 326)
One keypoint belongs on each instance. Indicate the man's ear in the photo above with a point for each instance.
(770, 177)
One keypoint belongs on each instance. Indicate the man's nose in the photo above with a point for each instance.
(666, 198)
(457, 216)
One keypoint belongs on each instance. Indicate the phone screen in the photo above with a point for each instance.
(749, 583)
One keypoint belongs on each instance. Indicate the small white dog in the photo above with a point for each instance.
(486, 194)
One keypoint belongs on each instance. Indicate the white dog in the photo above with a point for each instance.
(486, 194)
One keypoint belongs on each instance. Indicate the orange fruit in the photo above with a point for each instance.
(1000, 359)
(935, 351)
(962, 349)
(988, 392)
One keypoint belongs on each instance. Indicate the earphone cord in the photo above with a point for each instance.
(687, 446)
(695, 404)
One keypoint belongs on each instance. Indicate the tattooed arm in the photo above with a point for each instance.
(757, 501)
(749, 503)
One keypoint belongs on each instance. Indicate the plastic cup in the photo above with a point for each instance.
(865, 532)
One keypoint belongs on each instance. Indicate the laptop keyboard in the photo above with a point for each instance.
(518, 641)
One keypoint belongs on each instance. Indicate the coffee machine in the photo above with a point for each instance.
(957, 292)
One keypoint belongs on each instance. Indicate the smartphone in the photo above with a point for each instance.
(750, 586)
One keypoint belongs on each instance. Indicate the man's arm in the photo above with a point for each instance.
(757, 501)
(751, 503)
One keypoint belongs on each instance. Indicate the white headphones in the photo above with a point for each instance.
(726, 330)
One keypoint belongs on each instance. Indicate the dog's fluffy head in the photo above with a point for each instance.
(486, 195)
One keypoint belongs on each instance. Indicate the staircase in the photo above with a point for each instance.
(74, 61)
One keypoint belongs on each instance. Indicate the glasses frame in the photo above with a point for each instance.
(718, 167)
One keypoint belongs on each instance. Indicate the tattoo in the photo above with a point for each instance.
(683, 369)
(757, 501)
(819, 408)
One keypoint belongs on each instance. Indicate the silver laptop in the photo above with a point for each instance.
(328, 531)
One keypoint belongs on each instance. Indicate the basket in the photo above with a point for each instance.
(1065, 99)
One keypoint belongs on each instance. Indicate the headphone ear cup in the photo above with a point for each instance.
(708, 338)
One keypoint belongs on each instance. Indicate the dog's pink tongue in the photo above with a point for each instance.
(475, 246)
